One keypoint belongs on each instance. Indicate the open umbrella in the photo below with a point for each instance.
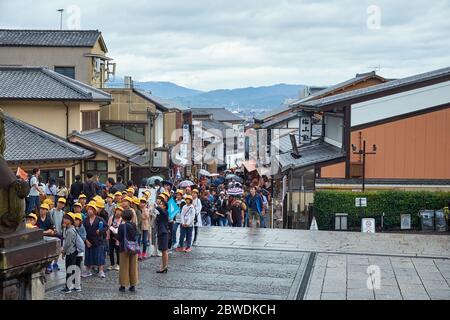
(204, 172)
(235, 191)
(185, 183)
(234, 177)
(152, 180)
(218, 181)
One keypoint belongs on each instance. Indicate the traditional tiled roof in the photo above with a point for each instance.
(40, 83)
(48, 38)
(25, 142)
(393, 84)
(310, 154)
(107, 141)
(328, 90)
(219, 114)
(160, 104)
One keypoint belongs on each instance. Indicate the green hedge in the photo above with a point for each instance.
(392, 203)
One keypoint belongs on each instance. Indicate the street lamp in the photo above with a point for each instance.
(363, 153)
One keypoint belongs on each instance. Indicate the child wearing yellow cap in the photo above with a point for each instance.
(31, 221)
(96, 229)
(70, 253)
(144, 226)
(56, 215)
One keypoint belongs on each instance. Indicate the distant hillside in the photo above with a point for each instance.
(162, 89)
(244, 98)
(252, 97)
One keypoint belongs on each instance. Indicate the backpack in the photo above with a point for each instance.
(79, 243)
(89, 189)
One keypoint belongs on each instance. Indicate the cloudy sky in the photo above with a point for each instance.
(206, 44)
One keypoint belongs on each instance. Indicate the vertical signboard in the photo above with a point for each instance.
(305, 130)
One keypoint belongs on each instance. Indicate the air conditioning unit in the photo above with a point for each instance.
(157, 158)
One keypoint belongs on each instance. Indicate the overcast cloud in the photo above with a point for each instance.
(237, 43)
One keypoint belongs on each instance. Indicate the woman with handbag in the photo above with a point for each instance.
(129, 250)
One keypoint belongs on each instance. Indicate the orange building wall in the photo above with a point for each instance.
(334, 171)
(412, 148)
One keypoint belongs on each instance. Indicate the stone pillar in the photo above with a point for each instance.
(23, 256)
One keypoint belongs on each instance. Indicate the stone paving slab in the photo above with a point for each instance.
(400, 278)
(243, 263)
(397, 244)
(202, 274)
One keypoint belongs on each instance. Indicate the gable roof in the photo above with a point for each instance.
(361, 77)
(108, 142)
(365, 93)
(40, 83)
(50, 38)
(159, 103)
(311, 154)
(25, 142)
(219, 114)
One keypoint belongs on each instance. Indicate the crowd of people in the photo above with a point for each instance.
(128, 224)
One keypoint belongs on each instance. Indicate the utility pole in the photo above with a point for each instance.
(363, 153)
(60, 22)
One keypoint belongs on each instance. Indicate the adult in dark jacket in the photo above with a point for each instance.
(89, 187)
(162, 228)
(128, 273)
(119, 186)
(222, 207)
(76, 189)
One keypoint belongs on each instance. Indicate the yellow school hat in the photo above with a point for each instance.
(180, 191)
(77, 204)
(92, 205)
(127, 198)
(32, 215)
(188, 197)
(78, 216)
(110, 195)
(62, 200)
(100, 204)
(82, 196)
(45, 206)
(130, 190)
(118, 193)
(48, 201)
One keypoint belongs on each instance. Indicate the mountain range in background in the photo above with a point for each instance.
(265, 97)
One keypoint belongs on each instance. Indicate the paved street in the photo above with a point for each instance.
(240, 263)
(207, 273)
(345, 277)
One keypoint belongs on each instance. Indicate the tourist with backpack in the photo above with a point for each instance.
(89, 188)
(70, 253)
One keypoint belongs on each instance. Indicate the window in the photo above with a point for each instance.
(132, 132)
(66, 71)
(90, 120)
(333, 130)
(98, 168)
